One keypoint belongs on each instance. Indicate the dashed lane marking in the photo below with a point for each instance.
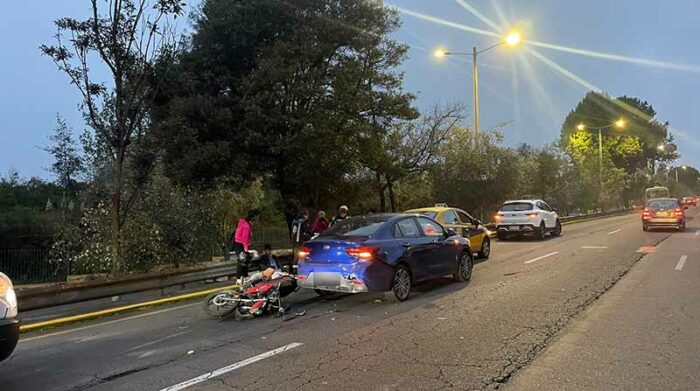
(614, 232)
(697, 233)
(681, 262)
(542, 257)
(232, 367)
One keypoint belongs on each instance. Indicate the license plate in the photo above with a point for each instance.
(662, 214)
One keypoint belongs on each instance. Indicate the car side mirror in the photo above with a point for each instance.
(451, 232)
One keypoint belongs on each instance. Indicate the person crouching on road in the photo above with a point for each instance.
(342, 215)
(267, 260)
(242, 240)
(320, 224)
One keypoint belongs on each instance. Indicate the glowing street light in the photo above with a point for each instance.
(512, 39)
(620, 124)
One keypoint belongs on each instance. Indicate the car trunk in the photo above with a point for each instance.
(327, 251)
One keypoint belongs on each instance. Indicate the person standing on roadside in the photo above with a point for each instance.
(321, 223)
(342, 215)
(301, 229)
(242, 240)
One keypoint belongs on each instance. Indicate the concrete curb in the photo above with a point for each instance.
(111, 311)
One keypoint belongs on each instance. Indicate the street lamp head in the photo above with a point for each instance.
(581, 126)
(620, 123)
(684, 167)
(513, 38)
(439, 53)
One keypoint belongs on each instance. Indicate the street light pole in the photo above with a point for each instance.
(476, 95)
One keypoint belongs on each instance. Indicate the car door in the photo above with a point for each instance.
(440, 257)
(473, 231)
(414, 245)
(449, 219)
(547, 213)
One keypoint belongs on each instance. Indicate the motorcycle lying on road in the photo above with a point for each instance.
(258, 296)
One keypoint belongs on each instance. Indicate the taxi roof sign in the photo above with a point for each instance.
(441, 205)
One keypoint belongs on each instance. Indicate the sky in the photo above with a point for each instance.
(517, 88)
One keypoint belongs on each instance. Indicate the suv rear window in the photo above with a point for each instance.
(357, 226)
(663, 204)
(516, 206)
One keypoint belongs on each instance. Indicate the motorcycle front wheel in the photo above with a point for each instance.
(218, 304)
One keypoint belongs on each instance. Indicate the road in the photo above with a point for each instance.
(526, 311)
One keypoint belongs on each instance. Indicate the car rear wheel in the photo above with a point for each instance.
(485, 248)
(681, 228)
(401, 284)
(557, 229)
(464, 268)
(645, 227)
(540, 233)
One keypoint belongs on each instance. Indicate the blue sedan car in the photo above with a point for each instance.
(383, 252)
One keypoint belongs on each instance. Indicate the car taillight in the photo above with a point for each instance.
(679, 212)
(646, 213)
(534, 214)
(498, 216)
(362, 253)
(303, 253)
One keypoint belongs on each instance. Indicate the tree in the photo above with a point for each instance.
(279, 87)
(67, 165)
(126, 37)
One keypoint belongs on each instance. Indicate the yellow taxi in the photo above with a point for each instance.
(462, 223)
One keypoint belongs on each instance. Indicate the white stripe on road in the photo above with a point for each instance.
(681, 262)
(697, 233)
(614, 232)
(542, 257)
(594, 247)
(106, 323)
(232, 367)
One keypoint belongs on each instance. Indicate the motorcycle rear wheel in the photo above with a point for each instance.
(219, 311)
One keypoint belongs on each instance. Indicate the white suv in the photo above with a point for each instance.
(9, 324)
(520, 217)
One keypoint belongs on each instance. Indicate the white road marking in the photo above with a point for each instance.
(697, 233)
(106, 323)
(594, 247)
(137, 347)
(542, 257)
(614, 232)
(681, 262)
(232, 367)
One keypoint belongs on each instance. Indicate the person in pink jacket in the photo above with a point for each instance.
(242, 239)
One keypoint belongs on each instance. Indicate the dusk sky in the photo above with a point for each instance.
(516, 87)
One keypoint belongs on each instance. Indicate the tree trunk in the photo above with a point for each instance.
(114, 213)
(392, 199)
(380, 189)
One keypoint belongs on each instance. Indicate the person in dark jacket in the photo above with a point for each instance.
(342, 215)
(268, 260)
(321, 223)
(301, 229)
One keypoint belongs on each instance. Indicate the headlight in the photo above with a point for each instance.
(7, 292)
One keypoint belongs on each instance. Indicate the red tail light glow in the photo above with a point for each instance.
(680, 213)
(362, 253)
(303, 253)
(646, 213)
(534, 214)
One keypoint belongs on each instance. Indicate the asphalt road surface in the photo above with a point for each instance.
(537, 314)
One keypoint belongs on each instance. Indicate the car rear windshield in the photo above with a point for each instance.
(663, 204)
(364, 226)
(516, 206)
(432, 215)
